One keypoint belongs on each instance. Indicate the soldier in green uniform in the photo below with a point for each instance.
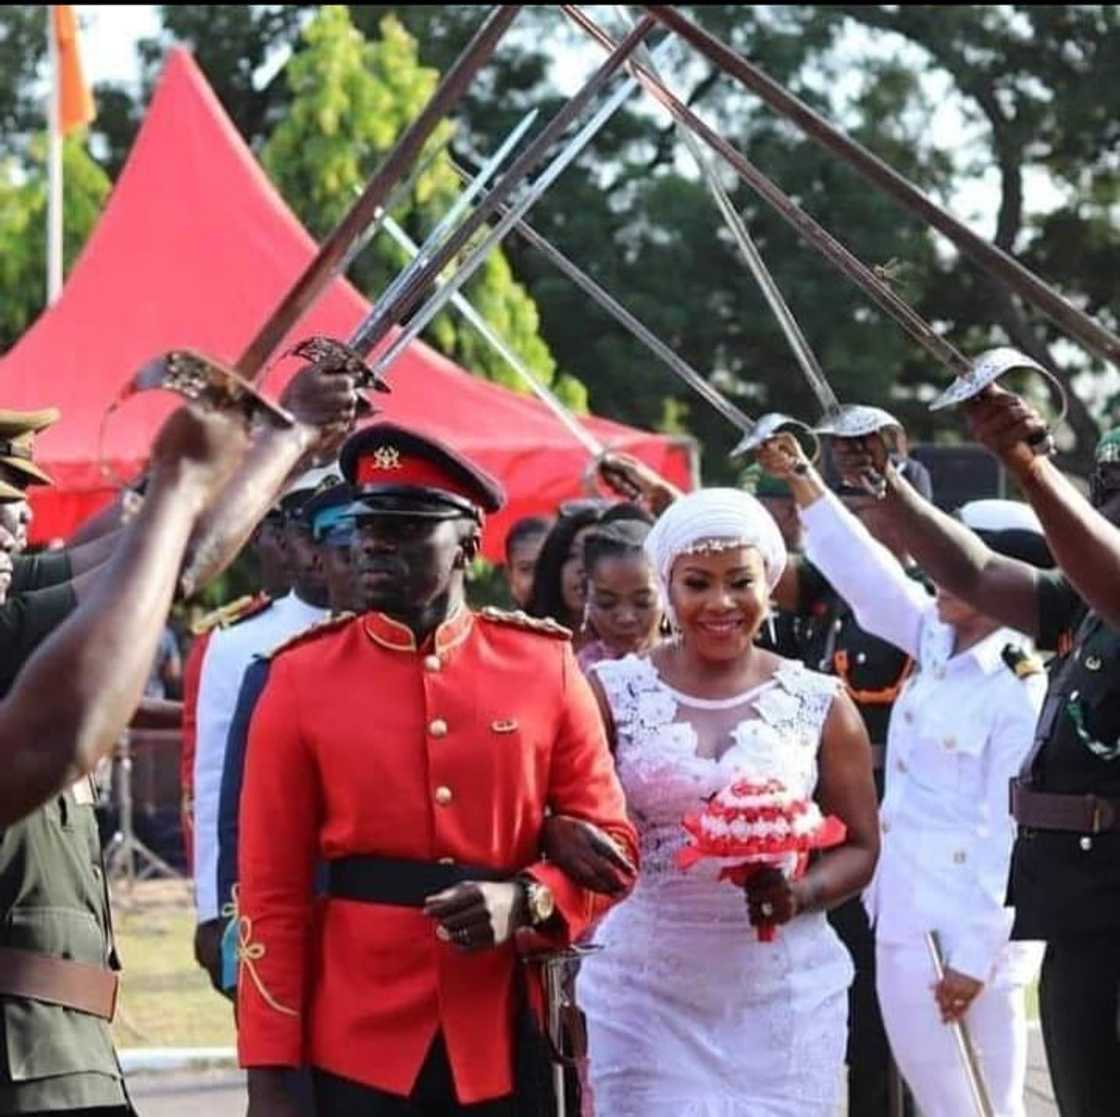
(44, 587)
(57, 979)
(1065, 871)
(57, 964)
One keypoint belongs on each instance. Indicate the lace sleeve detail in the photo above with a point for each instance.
(800, 702)
(635, 696)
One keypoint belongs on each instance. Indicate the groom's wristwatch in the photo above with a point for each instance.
(540, 904)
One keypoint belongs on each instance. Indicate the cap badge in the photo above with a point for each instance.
(387, 457)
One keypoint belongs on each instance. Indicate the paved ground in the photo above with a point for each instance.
(222, 1093)
(213, 1093)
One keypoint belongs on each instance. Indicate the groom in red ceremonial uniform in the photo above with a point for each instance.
(414, 749)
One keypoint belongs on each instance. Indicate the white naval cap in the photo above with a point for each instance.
(313, 480)
(999, 515)
(305, 485)
(1009, 527)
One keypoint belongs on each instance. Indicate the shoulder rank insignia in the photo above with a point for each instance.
(232, 613)
(545, 626)
(311, 632)
(1020, 662)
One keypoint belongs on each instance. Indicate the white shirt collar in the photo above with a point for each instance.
(292, 605)
(989, 652)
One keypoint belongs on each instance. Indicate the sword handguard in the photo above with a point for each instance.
(558, 970)
(857, 420)
(202, 380)
(340, 357)
(987, 369)
(772, 423)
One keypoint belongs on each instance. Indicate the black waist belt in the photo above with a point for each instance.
(388, 880)
(1077, 814)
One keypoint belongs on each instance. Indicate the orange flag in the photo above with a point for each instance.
(75, 101)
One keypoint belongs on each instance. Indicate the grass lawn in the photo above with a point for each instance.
(166, 1000)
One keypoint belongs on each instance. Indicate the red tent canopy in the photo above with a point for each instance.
(195, 248)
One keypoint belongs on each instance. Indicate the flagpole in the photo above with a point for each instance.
(54, 165)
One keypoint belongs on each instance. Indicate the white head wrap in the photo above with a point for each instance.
(726, 517)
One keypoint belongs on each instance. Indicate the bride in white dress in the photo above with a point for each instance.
(689, 1015)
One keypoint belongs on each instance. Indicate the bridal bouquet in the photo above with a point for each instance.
(752, 825)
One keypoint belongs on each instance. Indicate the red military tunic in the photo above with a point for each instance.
(363, 744)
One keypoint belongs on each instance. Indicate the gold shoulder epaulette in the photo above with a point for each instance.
(231, 613)
(311, 632)
(1021, 663)
(545, 626)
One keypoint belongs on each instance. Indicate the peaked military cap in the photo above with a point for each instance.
(17, 445)
(1008, 527)
(402, 472)
(306, 485)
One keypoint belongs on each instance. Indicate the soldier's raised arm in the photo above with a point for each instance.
(323, 400)
(1082, 536)
(76, 694)
(951, 554)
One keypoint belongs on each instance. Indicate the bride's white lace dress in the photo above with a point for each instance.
(689, 1015)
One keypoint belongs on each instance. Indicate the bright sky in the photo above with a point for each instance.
(109, 36)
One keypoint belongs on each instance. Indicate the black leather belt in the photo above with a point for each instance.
(1076, 814)
(389, 880)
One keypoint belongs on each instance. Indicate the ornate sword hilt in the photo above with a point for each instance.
(208, 383)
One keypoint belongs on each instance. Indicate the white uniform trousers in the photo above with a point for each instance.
(924, 1047)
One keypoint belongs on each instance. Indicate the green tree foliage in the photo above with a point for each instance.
(351, 97)
(23, 227)
(23, 43)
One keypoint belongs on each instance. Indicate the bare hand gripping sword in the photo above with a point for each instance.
(970, 1064)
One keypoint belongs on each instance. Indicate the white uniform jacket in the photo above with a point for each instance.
(959, 731)
(228, 654)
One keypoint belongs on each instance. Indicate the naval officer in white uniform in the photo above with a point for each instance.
(959, 731)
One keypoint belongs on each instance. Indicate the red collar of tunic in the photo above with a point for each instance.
(397, 637)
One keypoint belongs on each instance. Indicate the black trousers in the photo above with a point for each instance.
(1079, 1001)
(432, 1096)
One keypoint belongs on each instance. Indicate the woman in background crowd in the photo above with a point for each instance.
(559, 585)
(560, 582)
(523, 547)
(623, 600)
